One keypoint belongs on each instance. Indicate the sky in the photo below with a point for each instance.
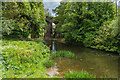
(51, 5)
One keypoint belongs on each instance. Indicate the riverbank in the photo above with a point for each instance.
(24, 59)
(62, 40)
(21, 59)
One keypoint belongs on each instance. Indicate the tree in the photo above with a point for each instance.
(47, 12)
(84, 23)
(60, 17)
(30, 17)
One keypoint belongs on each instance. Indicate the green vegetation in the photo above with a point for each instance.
(83, 23)
(24, 59)
(23, 19)
(75, 74)
(107, 38)
(27, 59)
(62, 53)
(90, 24)
(82, 75)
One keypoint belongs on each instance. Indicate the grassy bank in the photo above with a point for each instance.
(27, 59)
(24, 59)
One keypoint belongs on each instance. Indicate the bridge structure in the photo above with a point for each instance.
(49, 28)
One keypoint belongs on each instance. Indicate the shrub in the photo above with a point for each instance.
(106, 38)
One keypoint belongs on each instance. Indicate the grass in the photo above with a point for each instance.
(74, 74)
(83, 75)
(24, 59)
(29, 59)
(62, 53)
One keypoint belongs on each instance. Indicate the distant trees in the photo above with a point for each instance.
(87, 23)
(23, 19)
(60, 15)
(47, 12)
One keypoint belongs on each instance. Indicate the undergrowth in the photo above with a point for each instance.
(24, 59)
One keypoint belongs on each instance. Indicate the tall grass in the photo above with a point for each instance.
(62, 53)
(73, 75)
(83, 75)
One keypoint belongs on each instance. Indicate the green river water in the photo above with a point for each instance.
(96, 62)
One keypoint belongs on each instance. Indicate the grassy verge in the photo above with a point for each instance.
(24, 59)
(62, 53)
(83, 74)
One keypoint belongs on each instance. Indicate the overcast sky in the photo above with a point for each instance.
(51, 5)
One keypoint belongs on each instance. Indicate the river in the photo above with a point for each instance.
(96, 62)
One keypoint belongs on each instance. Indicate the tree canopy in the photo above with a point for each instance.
(92, 24)
(26, 19)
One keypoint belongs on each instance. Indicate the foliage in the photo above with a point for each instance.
(83, 18)
(7, 26)
(39, 40)
(62, 53)
(47, 13)
(91, 24)
(24, 59)
(60, 17)
(83, 74)
(107, 38)
(23, 18)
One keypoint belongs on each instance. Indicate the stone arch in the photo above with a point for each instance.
(48, 28)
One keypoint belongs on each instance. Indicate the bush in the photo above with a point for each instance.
(82, 74)
(62, 53)
(24, 59)
(106, 38)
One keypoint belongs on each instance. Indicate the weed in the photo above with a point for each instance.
(62, 53)
(25, 59)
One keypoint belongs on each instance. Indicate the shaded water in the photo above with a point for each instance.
(95, 62)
